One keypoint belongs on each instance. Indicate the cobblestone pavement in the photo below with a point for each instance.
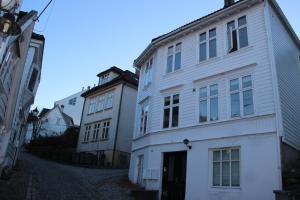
(37, 179)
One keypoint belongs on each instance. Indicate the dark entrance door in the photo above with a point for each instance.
(174, 176)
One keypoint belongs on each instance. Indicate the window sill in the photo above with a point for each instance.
(173, 72)
(90, 114)
(209, 61)
(224, 189)
(169, 129)
(103, 140)
(84, 142)
(239, 51)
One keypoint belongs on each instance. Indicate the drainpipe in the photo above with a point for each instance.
(117, 128)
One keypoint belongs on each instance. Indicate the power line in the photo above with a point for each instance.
(37, 19)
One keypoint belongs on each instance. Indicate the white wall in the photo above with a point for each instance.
(74, 111)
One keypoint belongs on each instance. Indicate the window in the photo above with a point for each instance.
(87, 133)
(105, 130)
(96, 131)
(144, 118)
(92, 106)
(101, 103)
(174, 58)
(237, 37)
(241, 87)
(104, 79)
(58, 121)
(109, 100)
(171, 111)
(209, 106)
(72, 101)
(148, 72)
(208, 45)
(33, 78)
(226, 167)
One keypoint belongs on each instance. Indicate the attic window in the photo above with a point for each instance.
(104, 79)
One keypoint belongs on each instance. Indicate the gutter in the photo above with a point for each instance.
(117, 128)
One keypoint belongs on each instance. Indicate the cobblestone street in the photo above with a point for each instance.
(37, 179)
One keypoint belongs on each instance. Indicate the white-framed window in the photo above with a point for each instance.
(209, 103)
(104, 79)
(105, 130)
(92, 106)
(148, 72)
(144, 118)
(87, 133)
(109, 100)
(72, 101)
(208, 45)
(226, 167)
(174, 58)
(101, 103)
(96, 132)
(58, 121)
(237, 34)
(241, 96)
(171, 111)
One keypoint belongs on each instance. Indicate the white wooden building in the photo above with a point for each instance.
(218, 106)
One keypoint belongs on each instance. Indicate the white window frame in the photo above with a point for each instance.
(92, 106)
(104, 79)
(240, 92)
(96, 131)
(148, 72)
(144, 119)
(208, 99)
(237, 28)
(72, 101)
(106, 124)
(171, 106)
(101, 102)
(109, 100)
(173, 54)
(207, 41)
(87, 133)
(221, 161)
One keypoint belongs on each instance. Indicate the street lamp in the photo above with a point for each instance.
(187, 143)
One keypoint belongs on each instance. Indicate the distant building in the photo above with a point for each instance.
(218, 106)
(72, 106)
(54, 122)
(107, 123)
(21, 55)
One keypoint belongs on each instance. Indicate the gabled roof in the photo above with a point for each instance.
(43, 112)
(113, 69)
(66, 118)
(124, 76)
(204, 21)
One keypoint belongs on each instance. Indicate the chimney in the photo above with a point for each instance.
(228, 3)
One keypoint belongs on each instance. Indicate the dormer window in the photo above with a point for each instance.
(237, 34)
(104, 79)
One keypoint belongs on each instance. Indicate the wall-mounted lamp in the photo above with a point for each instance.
(8, 25)
(187, 143)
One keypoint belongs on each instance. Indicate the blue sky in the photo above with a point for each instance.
(88, 36)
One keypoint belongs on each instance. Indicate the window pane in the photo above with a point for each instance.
(234, 84)
(242, 21)
(235, 154)
(178, 47)
(177, 61)
(214, 109)
(166, 117)
(170, 50)
(248, 102)
(212, 33)
(243, 37)
(167, 101)
(225, 173)
(235, 105)
(202, 37)
(175, 115)
(213, 48)
(203, 51)
(145, 122)
(203, 111)
(203, 92)
(216, 156)
(235, 173)
(176, 99)
(247, 81)
(225, 155)
(230, 25)
(170, 63)
(213, 90)
(216, 174)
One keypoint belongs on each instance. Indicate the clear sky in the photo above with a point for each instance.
(84, 37)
